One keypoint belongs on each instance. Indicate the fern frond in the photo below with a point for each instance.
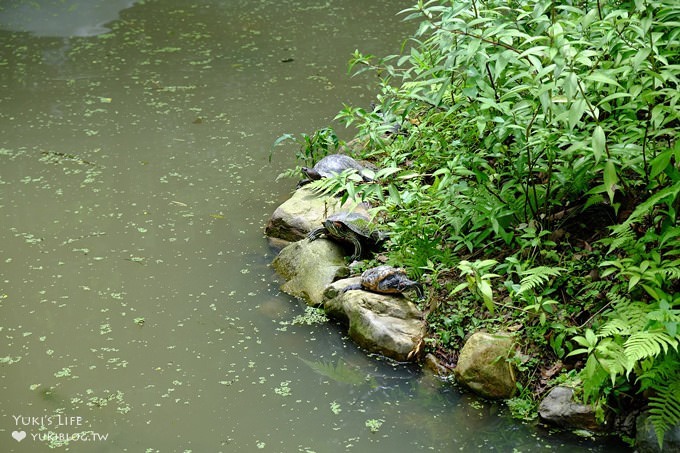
(633, 314)
(641, 345)
(611, 357)
(597, 286)
(537, 276)
(670, 239)
(617, 299)
(659, 371)
(621, 236)
(672, 270)
(664, 407)
(669, 193)
(616, 326)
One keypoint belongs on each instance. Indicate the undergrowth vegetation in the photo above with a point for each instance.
(528, 168)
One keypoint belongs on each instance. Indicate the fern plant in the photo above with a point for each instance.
(663, 379)
(537, 276)
(640, 338)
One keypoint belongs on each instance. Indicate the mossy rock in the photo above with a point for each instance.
(482, 365)
(309, 267)
(303, 212)
(390, 325)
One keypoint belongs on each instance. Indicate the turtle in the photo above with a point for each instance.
(331, 165)
(386, 280)
(352, 227)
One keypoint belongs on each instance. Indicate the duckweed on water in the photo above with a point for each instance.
(310, 317)
(284, 389)
(8, 360)
(374, 424)
(64, 372)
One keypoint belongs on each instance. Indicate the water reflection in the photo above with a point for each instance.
(60, 18)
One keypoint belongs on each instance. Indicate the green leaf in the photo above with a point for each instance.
(641, 56)
(576, 112)
(571, 85)
(591, 338)
(484, 264)
(460, 287)
(387, 171)
(395, 197)
(409, 175)
(487, 294)
(603, 78)
(633, 281)
(599, 143)
(579, 351)
(660, 163)
(613, 96)
(610, 179)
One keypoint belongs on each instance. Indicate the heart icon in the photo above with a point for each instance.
(19, 435)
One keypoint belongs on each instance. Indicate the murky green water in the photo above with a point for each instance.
(137, 308)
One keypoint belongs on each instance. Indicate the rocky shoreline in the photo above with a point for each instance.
(394, 326)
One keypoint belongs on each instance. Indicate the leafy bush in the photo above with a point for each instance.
(526, 129)
(527, 113)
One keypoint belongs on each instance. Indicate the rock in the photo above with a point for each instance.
(433, 364)
(482, 366)
(303, 212)
(559, 408)
(309, 267)
(645, 437)
(390, 325)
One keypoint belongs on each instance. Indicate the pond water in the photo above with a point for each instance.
(138, 311)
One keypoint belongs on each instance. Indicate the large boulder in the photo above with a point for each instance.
(309, 267)
(390, 325)
(303, 212)
(645, 437)
(482, 366)
(559, 408)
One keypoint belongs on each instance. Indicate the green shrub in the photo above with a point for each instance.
(518, 119)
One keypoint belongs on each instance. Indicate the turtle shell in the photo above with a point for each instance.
(389, 280)
(351, 227)
(331, 165)
(344, 224)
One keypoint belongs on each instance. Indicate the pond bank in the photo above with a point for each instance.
(486, 365)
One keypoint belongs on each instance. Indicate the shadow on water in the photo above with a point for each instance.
(138, 311)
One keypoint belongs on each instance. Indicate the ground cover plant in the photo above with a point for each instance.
(528, 167)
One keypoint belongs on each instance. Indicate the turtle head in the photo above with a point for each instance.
(335, 228)
(407, 284)
(311, 173)
(419, 290)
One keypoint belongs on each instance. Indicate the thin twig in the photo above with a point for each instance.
(597, 313)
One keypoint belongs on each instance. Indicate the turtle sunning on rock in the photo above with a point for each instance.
(351, 227)
(331, 165)
(386, 280)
